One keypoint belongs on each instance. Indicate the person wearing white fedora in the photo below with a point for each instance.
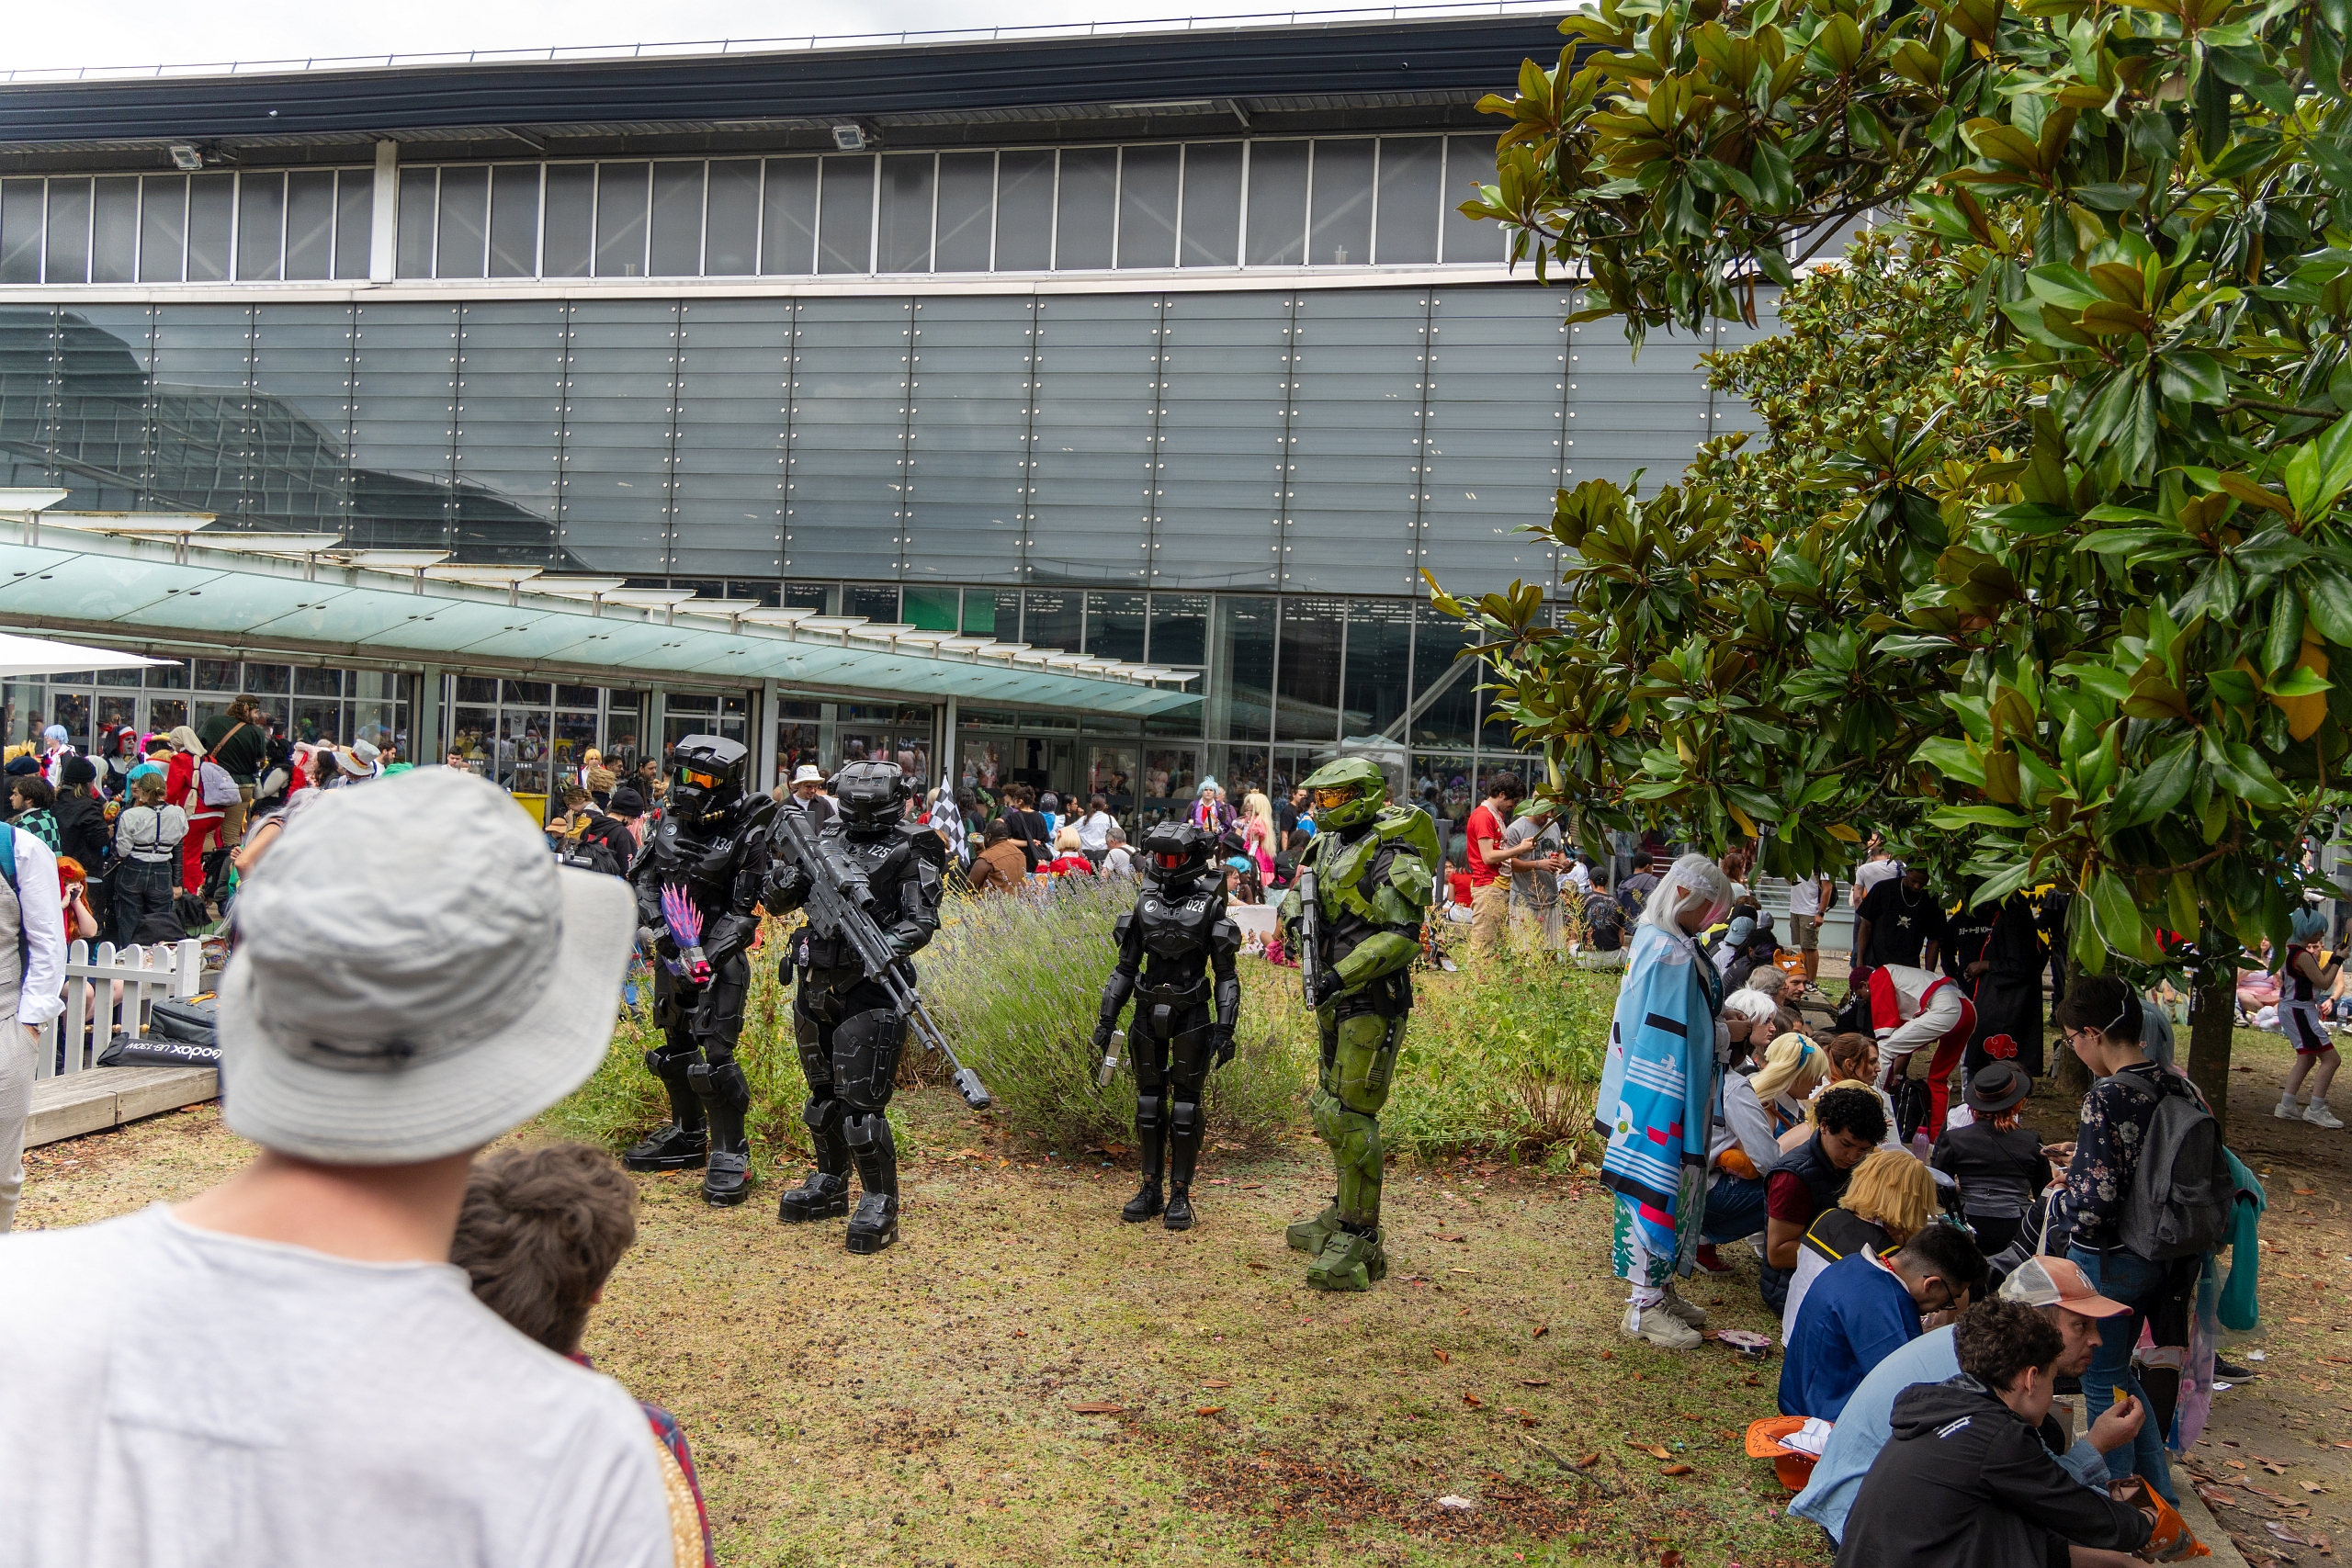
(286, 1368)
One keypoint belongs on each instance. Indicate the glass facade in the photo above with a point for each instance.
(310, 703)
(1332, 441)
(261, 227)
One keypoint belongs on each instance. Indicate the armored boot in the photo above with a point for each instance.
(683, 1144)
(725, 1098)
(1350, 1260)
(1146, 1204)
(1184, 1152)
(825, 1195)
(1308, 1235)
(875, 1224)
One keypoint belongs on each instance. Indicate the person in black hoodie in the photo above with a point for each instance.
(81, 817)
(1969, 1478)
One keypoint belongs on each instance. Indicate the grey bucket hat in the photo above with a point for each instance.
(414, 975)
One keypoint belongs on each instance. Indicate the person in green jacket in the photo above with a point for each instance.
(1374, 868)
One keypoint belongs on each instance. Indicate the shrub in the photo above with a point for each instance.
(1016, 982)
(1502, 1056)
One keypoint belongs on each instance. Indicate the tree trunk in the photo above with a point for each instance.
(2074, 1078)
(2212, 1009)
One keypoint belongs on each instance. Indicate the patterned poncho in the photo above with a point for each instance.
(1659, 1081)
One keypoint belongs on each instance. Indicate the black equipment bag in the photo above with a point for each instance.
(189, 1021)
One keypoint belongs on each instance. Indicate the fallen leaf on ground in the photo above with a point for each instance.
(1100, 1408)
(2215, 1498)
(1656, 1450)
(1541, 1330)
(1218, 1382)
(1254, 1264)
(1751, 1381)
(1589, 1460)
(1208, 1410)
(1020, 1334)
(1442, 1355)
(1472, 1401)
(1461, 1270)
(1670, 1558)
(2283, 1533)
(1535, 1382)
(1688, 1415)
(1458, 1504)
(2314, 1487)
(1676, 1469)
(2234, 1464)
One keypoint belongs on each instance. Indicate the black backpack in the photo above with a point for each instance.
(2183, 1192)
(1605, 922)
(595, 849)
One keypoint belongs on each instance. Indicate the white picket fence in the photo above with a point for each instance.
(92, 1016)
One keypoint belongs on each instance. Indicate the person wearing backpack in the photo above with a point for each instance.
(2149, 1190)
(32, 990)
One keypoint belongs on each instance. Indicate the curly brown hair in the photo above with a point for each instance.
(1998, 1339)
(538, 1233)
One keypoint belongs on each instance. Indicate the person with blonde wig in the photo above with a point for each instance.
(1793, 1068)
(1891, 1197)
(1656, 1098)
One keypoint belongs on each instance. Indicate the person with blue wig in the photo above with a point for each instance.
(1657, 1090)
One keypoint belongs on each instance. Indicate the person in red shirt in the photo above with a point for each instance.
(1490, 859)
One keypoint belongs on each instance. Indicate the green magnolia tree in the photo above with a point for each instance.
(2044, 557)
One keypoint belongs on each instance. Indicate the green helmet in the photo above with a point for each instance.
(1347, 793)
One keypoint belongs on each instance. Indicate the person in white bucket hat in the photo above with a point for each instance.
(286, 1368)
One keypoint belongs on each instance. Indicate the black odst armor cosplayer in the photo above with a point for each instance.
(849, 1030)
(698, 880)
(1168, 944)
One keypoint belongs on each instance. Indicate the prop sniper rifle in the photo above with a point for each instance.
(841, 905)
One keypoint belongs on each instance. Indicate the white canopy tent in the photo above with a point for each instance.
(45, 656)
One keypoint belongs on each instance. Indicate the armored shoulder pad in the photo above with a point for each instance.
(924, 842)
(1120, 927)
(1224, 937)
(1408, 829)
(1411, 877)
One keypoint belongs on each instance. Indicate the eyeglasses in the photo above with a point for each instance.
(1330, 800)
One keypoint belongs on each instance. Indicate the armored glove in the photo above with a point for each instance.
(1223, 1040)
(1327, 986)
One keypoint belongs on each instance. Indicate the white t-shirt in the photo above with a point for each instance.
(170, 1395)
(1869, 874)
(1804, 897)
(1094, 832)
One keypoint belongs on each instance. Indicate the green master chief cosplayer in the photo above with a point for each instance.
(1373, 866)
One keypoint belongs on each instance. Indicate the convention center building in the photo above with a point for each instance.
(1076, 406)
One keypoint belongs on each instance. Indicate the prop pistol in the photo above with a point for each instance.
(841, 905)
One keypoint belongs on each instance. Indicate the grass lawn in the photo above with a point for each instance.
(1023, 1380)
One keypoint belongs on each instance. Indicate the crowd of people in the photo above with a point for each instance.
(1940, 1269)
(1907, 1244)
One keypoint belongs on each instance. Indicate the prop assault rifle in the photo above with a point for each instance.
(1310, 936)
(840, 905)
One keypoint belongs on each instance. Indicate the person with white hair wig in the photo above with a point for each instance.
(1656, 1100)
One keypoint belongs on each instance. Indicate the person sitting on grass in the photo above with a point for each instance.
(540, 1232)
(1740, 1147)
(1847, 1123)
(1864, 1307)
(2052, 1287)
(1997, 1160)
(1889, 1197)
(1968, 1479)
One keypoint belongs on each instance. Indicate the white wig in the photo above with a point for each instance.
(1753, 1006)
(1692, 882)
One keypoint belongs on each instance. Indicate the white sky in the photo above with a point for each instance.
(147, 32)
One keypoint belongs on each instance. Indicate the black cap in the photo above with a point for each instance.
(78, 770)
(626, 802)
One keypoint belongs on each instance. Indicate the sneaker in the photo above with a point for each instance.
(1710, 1263)
(2319, 1115)
(1660, 1328)
(2285, 1110)
(1684, 1311)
